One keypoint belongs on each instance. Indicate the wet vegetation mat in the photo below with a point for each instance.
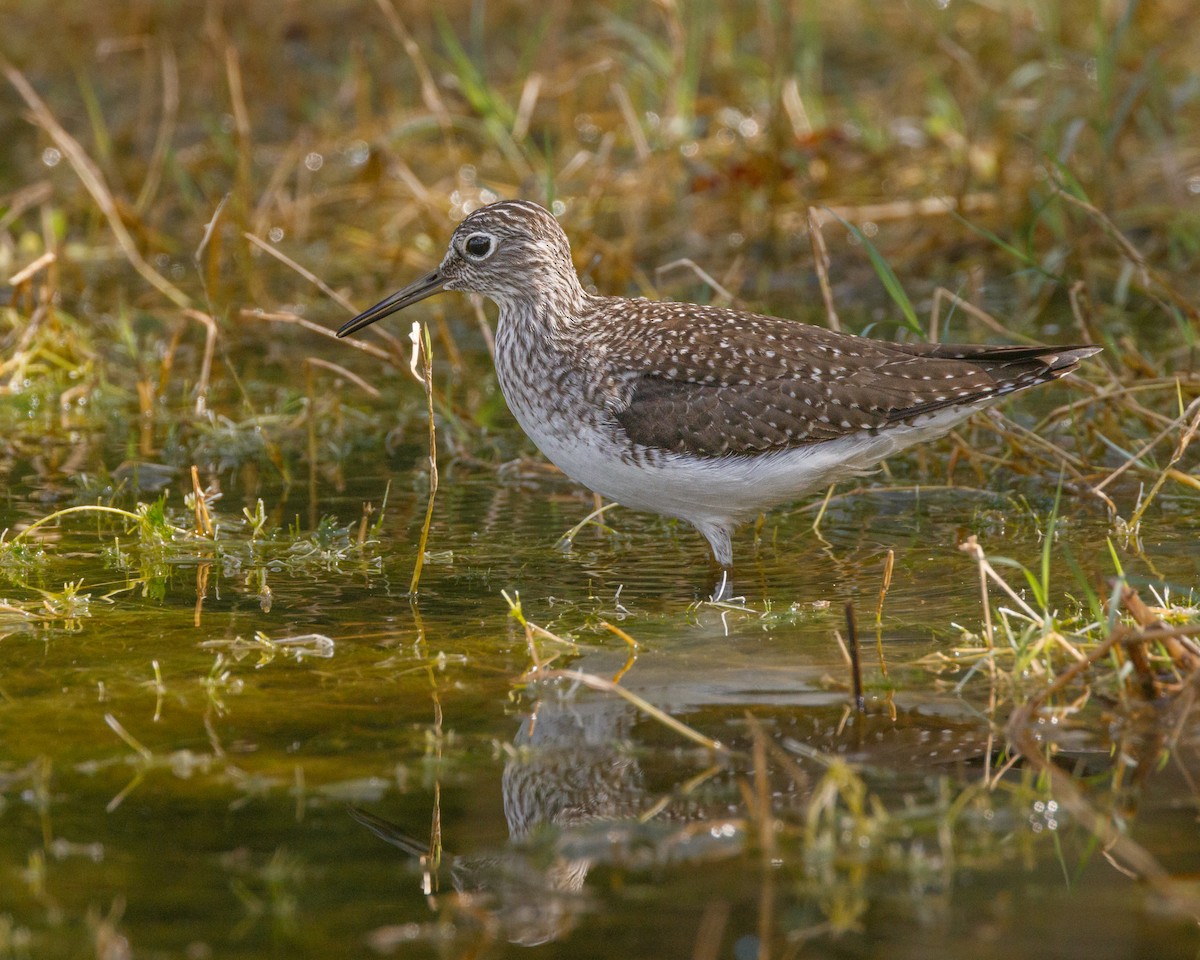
(305, 651)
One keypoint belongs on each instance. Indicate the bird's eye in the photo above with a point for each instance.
(479, 246)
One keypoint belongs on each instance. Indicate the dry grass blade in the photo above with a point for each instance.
(568, 539)
(1081, 310)
(205, 240)
(816, 524)
(408, 177)
(689, 264)
(1191, 410)
(618, 632)
(241, 115)
(93, 180)
(27, 272)
(1008, 427)
(905, 209)
(131, 741)
(343, 372)
(888, 566)
(204, 525)
(166, 129)
(1181, 446)
(525, 107)
(424, 348)
(821, 264)
(202, 571)
(16, 203)
(629, 114)
(250, 313)
(303, 271)
(942, 293)
(429, 89)
(210, 347)
(973, 548)
(1151, 278)
(629, 642)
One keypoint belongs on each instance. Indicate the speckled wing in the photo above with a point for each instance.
(711, 382)
(711, 421)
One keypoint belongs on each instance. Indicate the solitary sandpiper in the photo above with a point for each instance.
(703, 413)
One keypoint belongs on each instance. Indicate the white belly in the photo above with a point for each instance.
(729, 490)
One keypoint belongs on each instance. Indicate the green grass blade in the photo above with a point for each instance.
(1025, 259)
(1048, 541)
(475, 88)
(887, 277)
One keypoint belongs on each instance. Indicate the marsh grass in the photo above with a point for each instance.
(153, 542)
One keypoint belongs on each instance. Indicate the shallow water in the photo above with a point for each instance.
(283, 794)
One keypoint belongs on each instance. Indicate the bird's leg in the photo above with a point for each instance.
(717, 535)
(723, 588)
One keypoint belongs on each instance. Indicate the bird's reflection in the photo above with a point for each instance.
(572, 765)
(577, 793)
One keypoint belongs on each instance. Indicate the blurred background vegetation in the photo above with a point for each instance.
(1027, 156)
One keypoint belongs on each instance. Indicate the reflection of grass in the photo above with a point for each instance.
(837, 833)
(269, 892)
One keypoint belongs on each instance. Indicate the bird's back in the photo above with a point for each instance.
(710, 381)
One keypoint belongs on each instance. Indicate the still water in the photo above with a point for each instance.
(264, 770)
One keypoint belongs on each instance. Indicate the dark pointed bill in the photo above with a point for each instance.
(427, 286)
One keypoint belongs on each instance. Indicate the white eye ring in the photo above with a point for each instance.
(479, 246)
